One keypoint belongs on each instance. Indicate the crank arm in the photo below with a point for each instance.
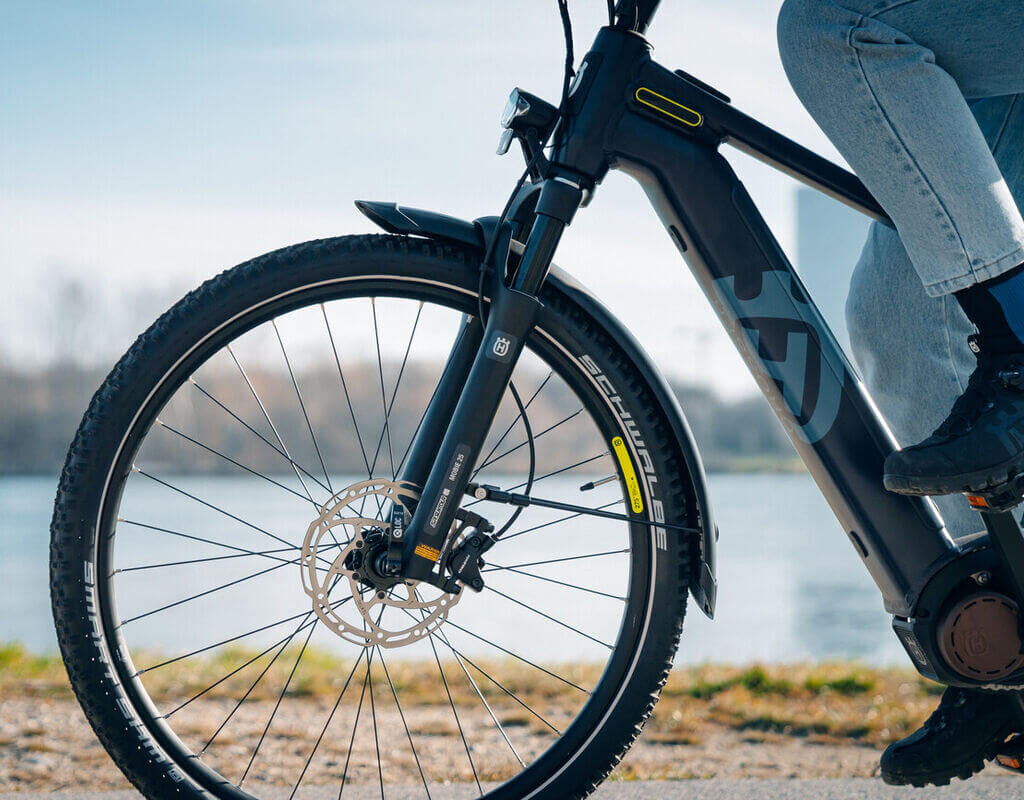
(495, 495)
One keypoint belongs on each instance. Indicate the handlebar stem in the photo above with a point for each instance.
(635, 15)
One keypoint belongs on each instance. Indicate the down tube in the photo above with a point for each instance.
(792, 353)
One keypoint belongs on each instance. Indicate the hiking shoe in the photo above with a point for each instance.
(979, 445)
(967, 728)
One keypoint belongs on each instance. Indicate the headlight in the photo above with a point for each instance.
(517, 106)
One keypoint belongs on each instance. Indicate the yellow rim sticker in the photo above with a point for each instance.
(428, 552)
(632, 484)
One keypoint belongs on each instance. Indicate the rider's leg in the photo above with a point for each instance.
(911, 350)
(887, 82)
(913, 354)
(869, 84)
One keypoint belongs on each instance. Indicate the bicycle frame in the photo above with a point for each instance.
(664, 129)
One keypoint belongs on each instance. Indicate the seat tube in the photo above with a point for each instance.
(511, 318)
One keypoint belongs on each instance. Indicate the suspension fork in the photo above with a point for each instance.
(469, 393)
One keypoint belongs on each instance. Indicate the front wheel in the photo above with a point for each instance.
(232, 472)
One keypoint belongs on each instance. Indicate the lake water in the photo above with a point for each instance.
(791, 587)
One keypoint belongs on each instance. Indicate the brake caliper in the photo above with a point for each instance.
(466, 559)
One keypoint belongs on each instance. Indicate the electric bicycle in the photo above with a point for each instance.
(431, 552)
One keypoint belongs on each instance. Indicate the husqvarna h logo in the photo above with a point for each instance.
(771, 312)
(501, 347)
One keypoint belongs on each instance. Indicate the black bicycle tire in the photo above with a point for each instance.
(88, 655)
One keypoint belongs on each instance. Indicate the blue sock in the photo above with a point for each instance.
(996, 307)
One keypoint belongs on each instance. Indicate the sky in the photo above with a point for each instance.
(146, 146)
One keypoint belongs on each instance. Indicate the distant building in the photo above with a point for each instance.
(829, 239)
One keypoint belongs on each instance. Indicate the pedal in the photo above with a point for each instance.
(1011, 754)
(999, 498)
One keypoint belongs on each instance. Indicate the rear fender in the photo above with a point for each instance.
(416, 222)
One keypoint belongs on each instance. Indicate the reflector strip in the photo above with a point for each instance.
(636, 500)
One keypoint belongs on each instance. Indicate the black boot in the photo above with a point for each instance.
(967, 728)
(979, 445)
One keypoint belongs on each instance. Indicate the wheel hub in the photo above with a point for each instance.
(372, 608)
(367, 563)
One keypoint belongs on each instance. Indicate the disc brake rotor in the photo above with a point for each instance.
(417, 609)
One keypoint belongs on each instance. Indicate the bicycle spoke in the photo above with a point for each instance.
(479, 694)
(516, 656)
(270, 422)
(492, 566)
(327, 724)
(204, 560)
(283, 646)
(510, 451)
(376, 737)
(509, 692)
(522, 501)
(401, 714)
(213, 507)
(548, 616)
(455, 713)
(257, 434)
(508, 430)
(560, 583)
(344, 387)
(264, 554)
(394, 394)
(412, 439)
(545, 476)
(238, 464)
(302, 405)
(383, 405)
(176, 659)
(207, 592)
(219, 681)
(554, 522)
(235, 639)
(280, 697)
(559, 471)
(355, 724)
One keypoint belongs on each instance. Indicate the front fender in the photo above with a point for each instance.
(416, 222)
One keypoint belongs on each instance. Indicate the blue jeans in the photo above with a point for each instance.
(925, 100)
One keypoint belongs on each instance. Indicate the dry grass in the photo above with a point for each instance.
(828, 703)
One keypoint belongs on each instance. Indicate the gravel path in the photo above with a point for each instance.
(984, 788)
